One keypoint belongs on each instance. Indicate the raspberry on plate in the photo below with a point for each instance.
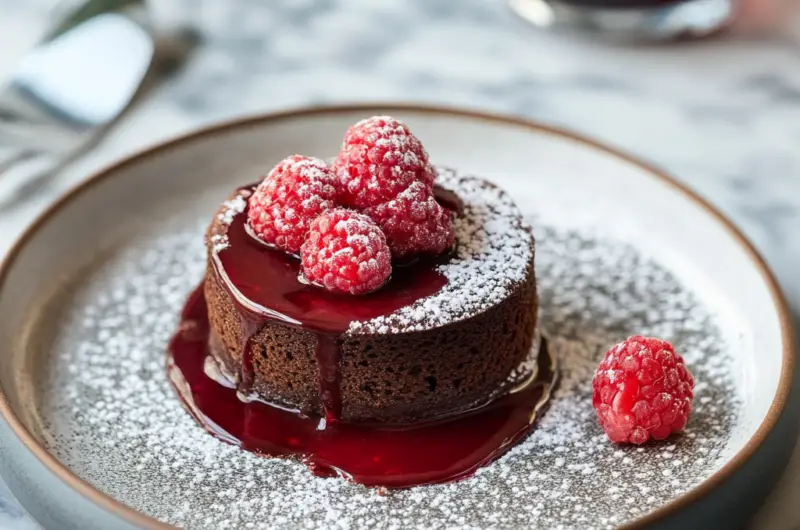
(414, 223)
(292, 195)
(642, 390)
(346, 252)
(379, 159)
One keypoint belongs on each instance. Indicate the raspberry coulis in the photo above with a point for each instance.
(265, 286)
(393, 456)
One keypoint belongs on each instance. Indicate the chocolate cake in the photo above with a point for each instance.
(444, 335)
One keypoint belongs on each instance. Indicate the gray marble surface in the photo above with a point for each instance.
(722, 116)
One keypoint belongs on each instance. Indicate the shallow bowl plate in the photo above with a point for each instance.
(89, 297)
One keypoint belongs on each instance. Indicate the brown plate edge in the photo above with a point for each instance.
(787, 328)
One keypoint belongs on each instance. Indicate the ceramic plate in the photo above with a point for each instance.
(92, 293)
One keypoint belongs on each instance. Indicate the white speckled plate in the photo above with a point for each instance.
(91, 294)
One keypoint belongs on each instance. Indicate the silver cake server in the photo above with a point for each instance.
(68, 89)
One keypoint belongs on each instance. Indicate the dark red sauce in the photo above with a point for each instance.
(265, 286)
(394, 456)
(448, 199)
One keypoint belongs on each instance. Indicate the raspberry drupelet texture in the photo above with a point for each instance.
(414, 223)
(292, 195)
(642, 390)
(346, 252)
(379, 159)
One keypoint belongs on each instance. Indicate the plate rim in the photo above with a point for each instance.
(699, 491)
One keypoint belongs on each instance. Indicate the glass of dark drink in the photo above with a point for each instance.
(631, 19)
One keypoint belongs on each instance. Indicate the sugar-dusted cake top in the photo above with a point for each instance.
(493, 255)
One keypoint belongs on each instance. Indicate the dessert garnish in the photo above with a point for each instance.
(382, 172)
(379, 159)
(642, 390)
(414, 223)
(346, 252)
(292, 195)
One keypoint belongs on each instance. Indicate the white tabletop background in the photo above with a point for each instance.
(722, 116)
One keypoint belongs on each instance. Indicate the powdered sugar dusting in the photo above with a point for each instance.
(228, 211)
(233, 206)
(493, 255)
(108, 411)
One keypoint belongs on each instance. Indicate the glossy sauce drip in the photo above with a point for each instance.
(394, 456)
(448, 199)
(264, 284)
(328, 357)
(250, 327)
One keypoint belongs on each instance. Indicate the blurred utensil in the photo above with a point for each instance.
(68, 89)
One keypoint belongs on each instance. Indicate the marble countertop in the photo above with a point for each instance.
(722, 116)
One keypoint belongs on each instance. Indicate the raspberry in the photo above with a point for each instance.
(642, 390)
(346, 252)
(379, 159)
(414, 223)
(292, 195)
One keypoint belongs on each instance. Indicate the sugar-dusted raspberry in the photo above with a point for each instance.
(379, 159)
(414, 223)
(642, 390)
(292, 195)
(346, 252)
